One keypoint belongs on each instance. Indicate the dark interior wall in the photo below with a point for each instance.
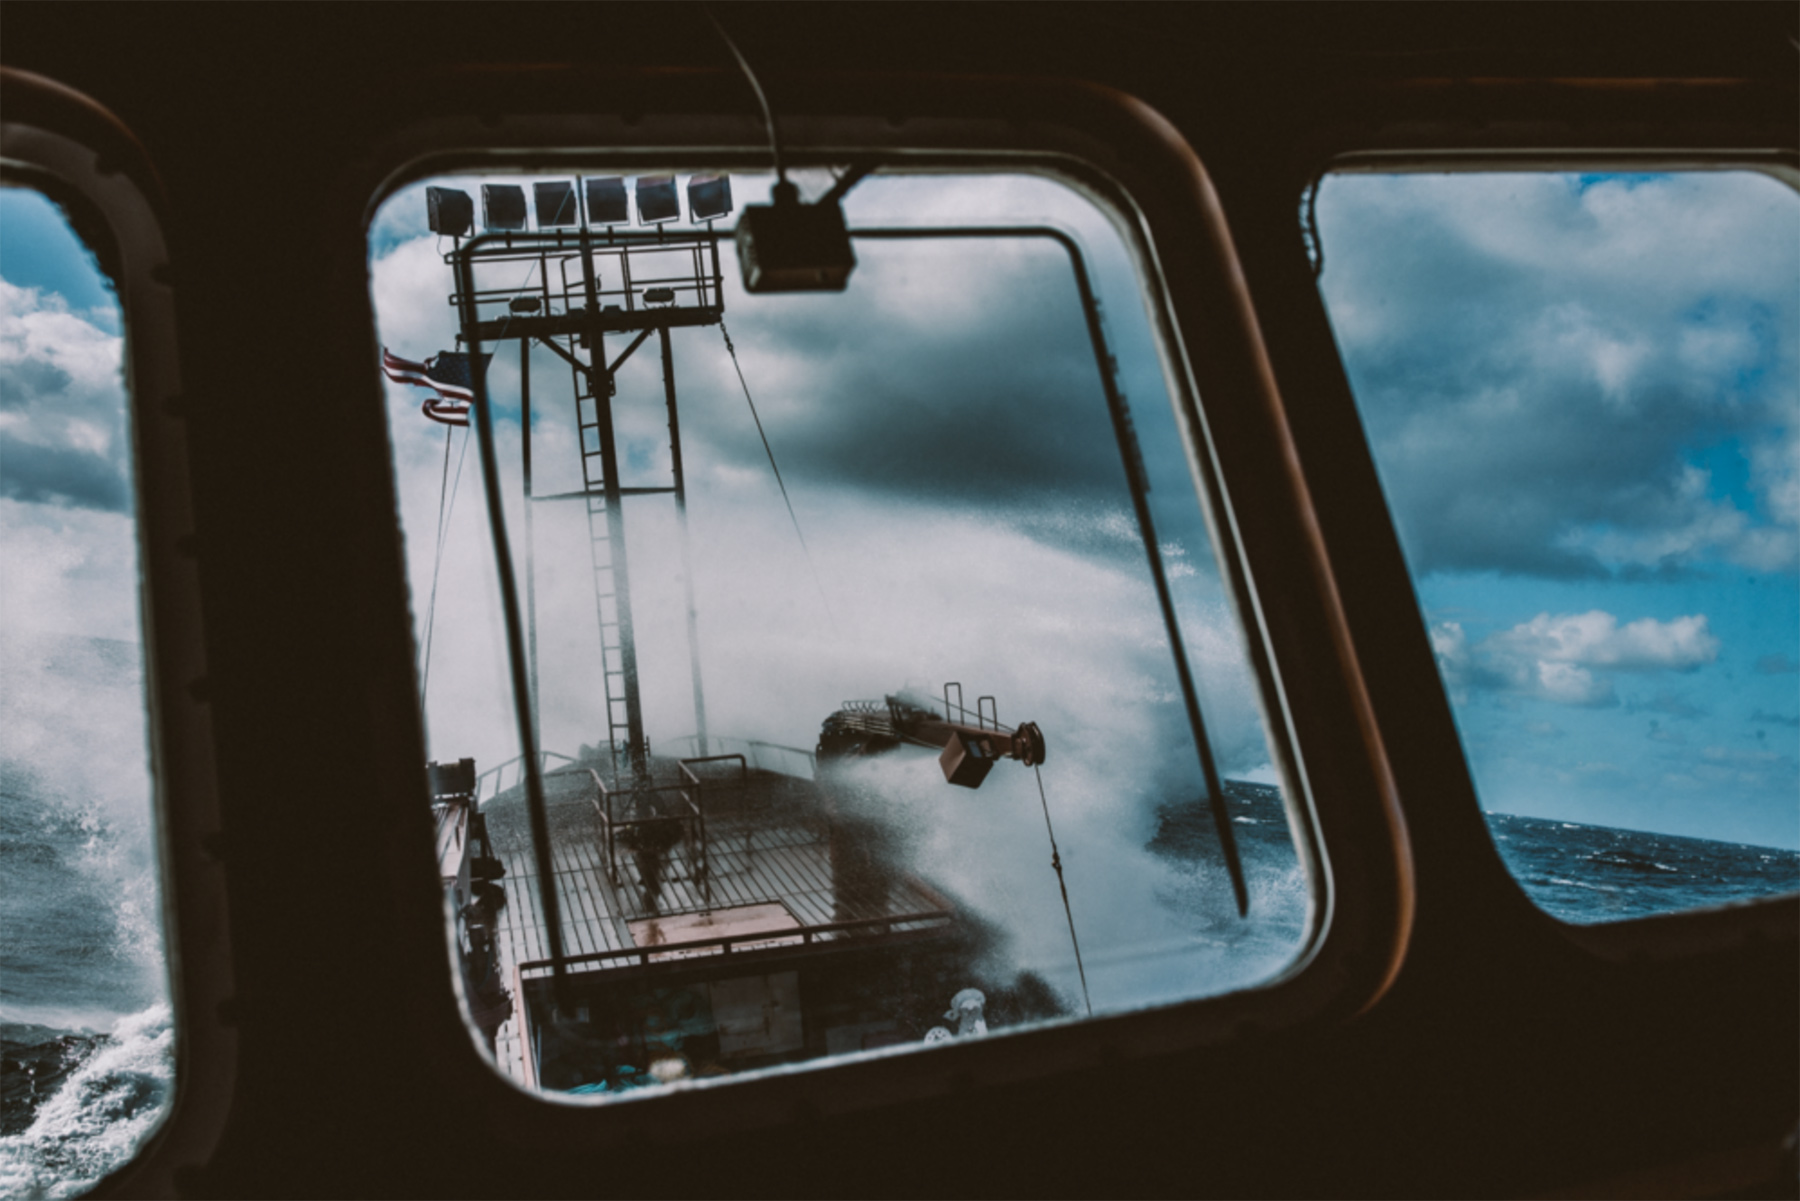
(1504, 1059)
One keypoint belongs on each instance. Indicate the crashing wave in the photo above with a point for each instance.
(101, 1114)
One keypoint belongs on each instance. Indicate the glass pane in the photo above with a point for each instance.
(85, 1027)
(746, 690)
(1581, 395)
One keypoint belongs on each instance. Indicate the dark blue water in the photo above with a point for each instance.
(1597, 874)
(1583, 874)
(86, 1041)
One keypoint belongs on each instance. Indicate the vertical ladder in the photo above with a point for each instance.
(612, 602)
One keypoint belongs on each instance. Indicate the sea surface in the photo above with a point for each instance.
(86, 1037)
(1581, 874)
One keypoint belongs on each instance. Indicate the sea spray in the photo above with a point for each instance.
(100, 1113)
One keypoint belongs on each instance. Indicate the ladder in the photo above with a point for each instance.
(612, 597)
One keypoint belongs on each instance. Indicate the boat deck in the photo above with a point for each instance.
(758, 857)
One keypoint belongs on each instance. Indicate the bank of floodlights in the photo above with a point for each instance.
(451, 212)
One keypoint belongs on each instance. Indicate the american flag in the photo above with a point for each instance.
(449, 374)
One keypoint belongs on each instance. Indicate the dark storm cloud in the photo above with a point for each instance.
(988, 392)
(62, 430)
(56, 475)
(1541, 367)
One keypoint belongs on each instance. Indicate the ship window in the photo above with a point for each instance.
(85, 1026)
(860, 718)
(1582, 396)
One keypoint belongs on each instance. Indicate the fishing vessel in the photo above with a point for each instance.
(627, 917)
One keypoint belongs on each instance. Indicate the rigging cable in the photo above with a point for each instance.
(447, 490)
(777, 470)
(447, 493)
(1056, 862)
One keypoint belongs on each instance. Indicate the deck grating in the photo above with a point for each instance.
(757, 856)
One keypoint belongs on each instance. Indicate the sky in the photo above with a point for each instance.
(944, 438)
(1581, 395)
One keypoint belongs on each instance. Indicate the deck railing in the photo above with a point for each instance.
(496, 780)
(692, 823)
(910, 924)
(763, 756)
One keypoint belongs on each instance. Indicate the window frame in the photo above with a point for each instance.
(65, 145)
(1136, 167)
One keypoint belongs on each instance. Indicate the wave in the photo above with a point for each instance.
(100, 1114)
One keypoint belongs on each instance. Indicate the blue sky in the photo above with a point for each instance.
(38, 250)
(1581, 393)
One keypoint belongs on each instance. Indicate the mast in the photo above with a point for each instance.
(596, 280)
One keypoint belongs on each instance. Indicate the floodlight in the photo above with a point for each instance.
(709, 197)
(793, 247)
(656, 200)
(503, 205)
(525, 304)
(555, 203)
(659, 295)
(449, 211)
(606, 202)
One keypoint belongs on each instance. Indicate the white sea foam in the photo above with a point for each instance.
(99, 1116)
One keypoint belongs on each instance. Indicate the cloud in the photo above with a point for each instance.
(1568, 378)
(1776, 665)
(62, 405)
(1596, 639)
(1569, 659)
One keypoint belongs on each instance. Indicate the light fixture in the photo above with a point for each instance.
(793, 247)
(709, 197)
(606, 201)
(659, 295)
(449, 211)
(555, 203)
(503, 206)
(656, 200)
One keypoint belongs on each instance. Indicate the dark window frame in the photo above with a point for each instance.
(1134, 166)
(65, 145)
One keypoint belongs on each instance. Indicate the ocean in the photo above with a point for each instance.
(87, 1038)
(1579, 873)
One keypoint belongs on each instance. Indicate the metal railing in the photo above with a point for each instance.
(763, 756)
(492, 782)
(928, 921)
(640, 796)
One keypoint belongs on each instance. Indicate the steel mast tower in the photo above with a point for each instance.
(579, 278)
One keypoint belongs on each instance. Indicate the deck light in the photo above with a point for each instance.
(555, 203)
(503, 206)
(449, 211)
(606, 201)
(656, 200)
(659, 295)
(793, 247)
(709, 197)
